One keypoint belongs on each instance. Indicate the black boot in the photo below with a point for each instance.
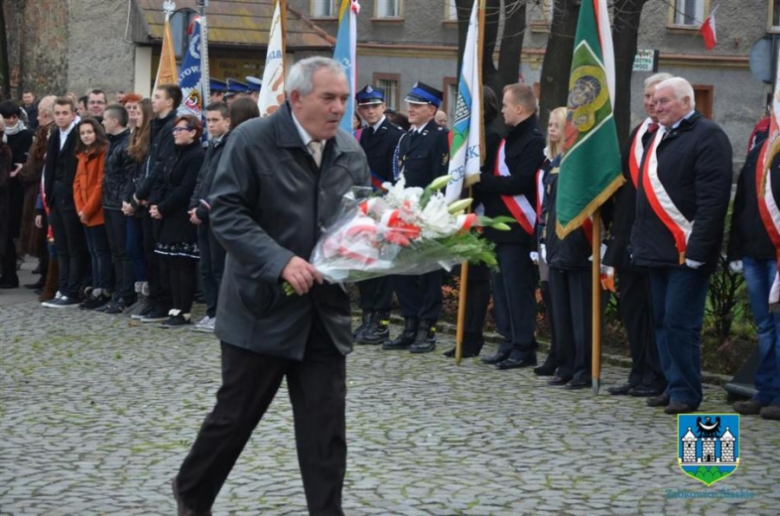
(406, 338)
(378, 330)
(363, 325)
(426, 337)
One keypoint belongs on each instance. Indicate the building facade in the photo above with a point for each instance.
(73, 45)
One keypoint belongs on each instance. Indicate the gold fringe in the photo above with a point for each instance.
(576, 222)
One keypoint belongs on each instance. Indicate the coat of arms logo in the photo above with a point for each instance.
(708, 445)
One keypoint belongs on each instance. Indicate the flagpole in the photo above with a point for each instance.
(464, 268)
(205, 79)
(596, 302)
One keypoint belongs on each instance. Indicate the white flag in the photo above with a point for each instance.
(466, 137)
(272, 92)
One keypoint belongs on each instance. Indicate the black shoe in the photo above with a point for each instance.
(426, 338)
(38, 285)
(582, 383)
(176, 321)
(676, 407)
(516, 363)
(467, 352)
(146, 311)
(661, 400)
(620, 390)
(9, 283)
(544, 370)
(377, 331)
(93, 303)
(114, 307)
(155, 315)
(406, 338)
(557, 380)
(495, 359)
(367, 316)
(182, 509)
(643, 391)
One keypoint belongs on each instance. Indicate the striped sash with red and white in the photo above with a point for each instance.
(659, 199)
(769, 211)
(637, 149)
(518, 205)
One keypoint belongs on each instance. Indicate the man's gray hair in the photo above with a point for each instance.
(300, 77)
(46, 105)
(656, 78)
(680, 87)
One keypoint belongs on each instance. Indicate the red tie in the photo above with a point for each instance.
(652, 127)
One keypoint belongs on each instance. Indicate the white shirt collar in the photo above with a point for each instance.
(64, 134)
(378, 124)
(305, 136)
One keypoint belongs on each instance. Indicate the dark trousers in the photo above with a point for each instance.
(8, 262)
(571, 300)
(679, 294)
(134, 244)
(317, 388)
(376, 295)
(100, 256)
(419, 296)
(477, 302)
(514, 300)
(71, 244)
(636, 311)
(116, 229)
(760, 275)
(159, 286)
(212, 264)
(544, 286)
(182, 276)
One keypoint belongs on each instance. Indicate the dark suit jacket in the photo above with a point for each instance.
(380, 147)
(270, 202)
(60, 166)
(424, 157)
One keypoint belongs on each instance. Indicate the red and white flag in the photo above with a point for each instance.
(708, 31)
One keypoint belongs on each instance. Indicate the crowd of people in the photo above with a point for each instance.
(122, 206)
(114, 201)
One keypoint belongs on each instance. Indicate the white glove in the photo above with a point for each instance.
(543, 252)
(602, 250)
(693, 264)
(534, 256)
(736, 266)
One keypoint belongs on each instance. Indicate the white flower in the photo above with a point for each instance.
(402, 198)
(436, 220)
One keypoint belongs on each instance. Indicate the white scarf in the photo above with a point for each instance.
(18, 127)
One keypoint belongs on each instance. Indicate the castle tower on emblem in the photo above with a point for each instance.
(710, 446)
(689, 446)
(727, 446)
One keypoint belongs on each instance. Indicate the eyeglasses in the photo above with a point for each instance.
(179, 129)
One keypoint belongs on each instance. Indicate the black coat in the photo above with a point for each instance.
(695, 168)
(161, 149)
(32, 116)
(572, 252)
(748, 236)
(173, 195)
(200, 195)
(118, 171)
(524, 151)
(425, 156)
(269, 203)
(380, 149)
(60, 168)
(617, 254)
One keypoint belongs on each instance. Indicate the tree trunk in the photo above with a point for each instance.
(625, 31)
(556, 67)
(511, 45)
(5, 67)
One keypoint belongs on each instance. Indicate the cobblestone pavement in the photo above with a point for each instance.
(98, 412)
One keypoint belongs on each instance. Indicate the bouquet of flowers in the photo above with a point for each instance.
(407, 231)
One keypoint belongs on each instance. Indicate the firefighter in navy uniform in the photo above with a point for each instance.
(422, 156)
(378, 139)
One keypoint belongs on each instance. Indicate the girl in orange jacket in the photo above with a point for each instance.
(88, 197)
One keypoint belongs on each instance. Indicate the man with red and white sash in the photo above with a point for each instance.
(684, 186)
(633, 283)
(510, 190)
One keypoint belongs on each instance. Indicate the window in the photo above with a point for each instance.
(450, 10)
(450, 104)
(389, 83)
(703, 96)
(388, 8)
(323, 8)
(180, 23)
(774, 15)
(688, 13)
(542, 15)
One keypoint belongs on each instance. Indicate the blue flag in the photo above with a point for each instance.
(345, 53)
(191, 80)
